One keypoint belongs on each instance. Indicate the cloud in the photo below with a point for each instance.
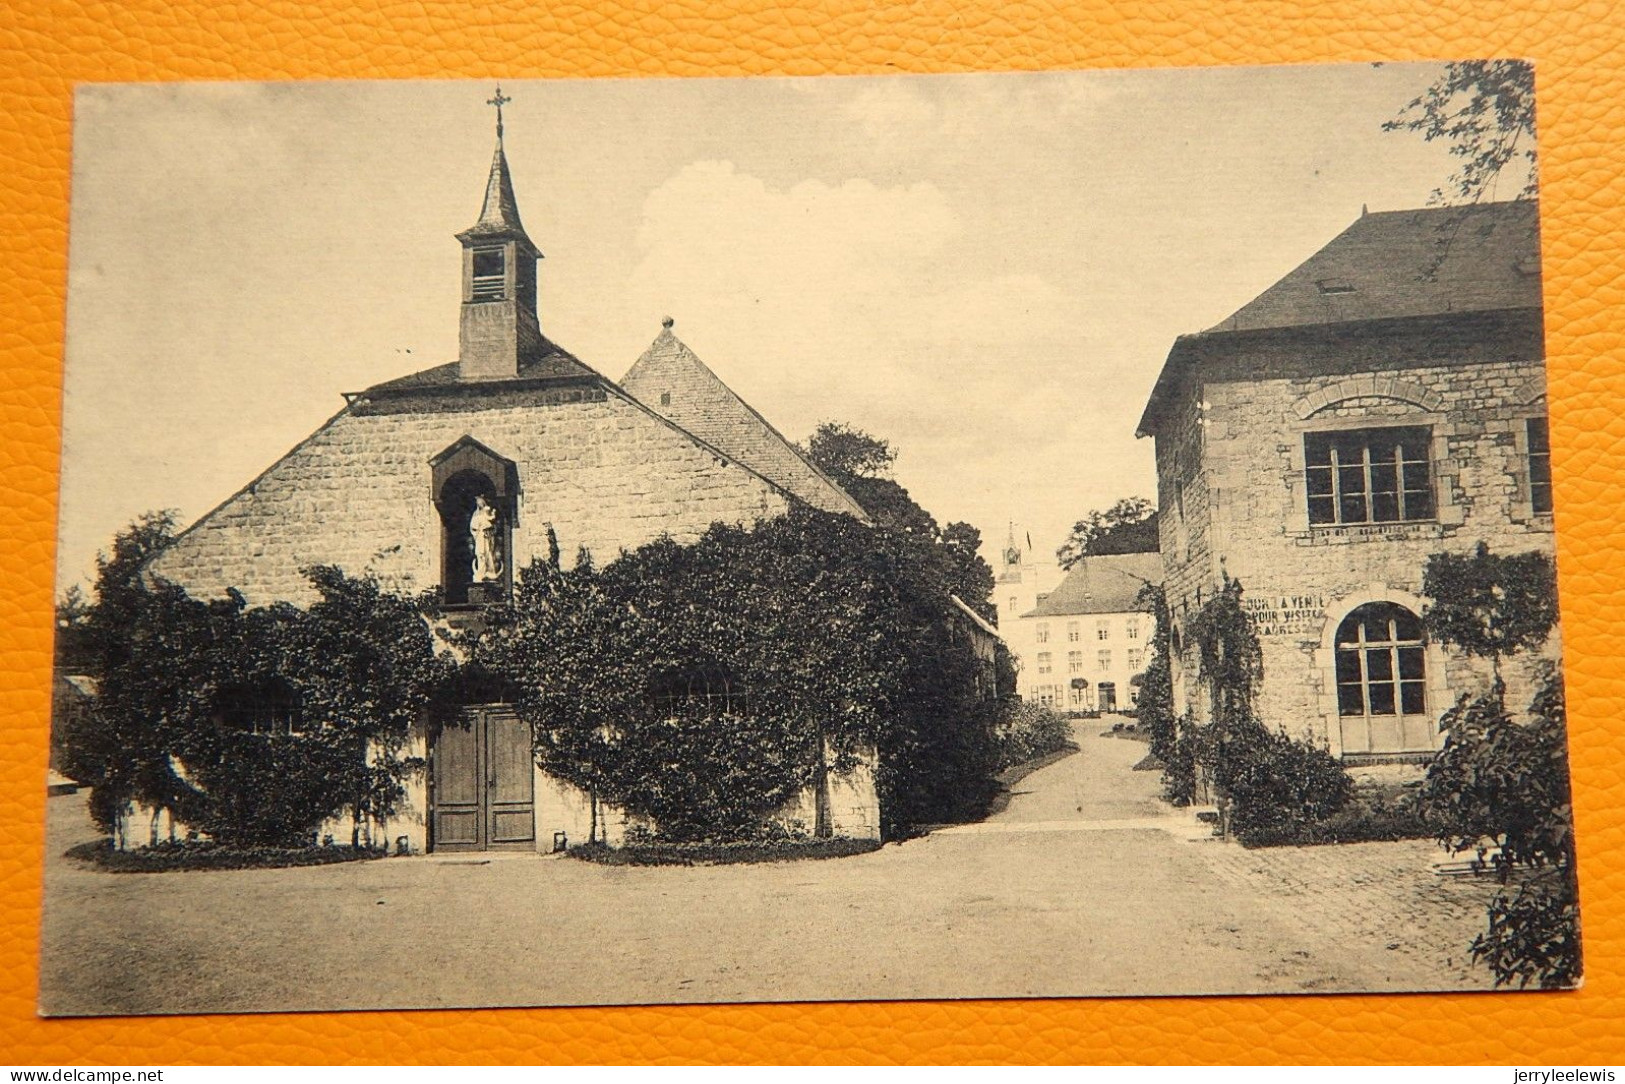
(870, 304)
(881, 273)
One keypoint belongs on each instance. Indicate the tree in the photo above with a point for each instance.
(114, 746)
(1485, 109)
(1489, 605)
(1502, 780)
(844, 452)
(1129, 526)
(861, 464)
(1508, 782)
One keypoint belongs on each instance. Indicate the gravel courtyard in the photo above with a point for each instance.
(1084, 884)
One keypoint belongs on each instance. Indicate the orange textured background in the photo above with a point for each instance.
(1579, 49)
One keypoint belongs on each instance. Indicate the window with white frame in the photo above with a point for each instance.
(1104, 659)
(1072, 633)
(1074, 662)
(1360, 476)
(1042, 633)
(1044, 663)
(1103, 630)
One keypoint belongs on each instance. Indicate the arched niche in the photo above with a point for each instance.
(467, 478)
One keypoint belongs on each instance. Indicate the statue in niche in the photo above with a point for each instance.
(485, 526)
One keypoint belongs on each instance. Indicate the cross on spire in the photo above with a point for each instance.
(499, 101)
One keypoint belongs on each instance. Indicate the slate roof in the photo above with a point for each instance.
(1419, 265)
(1409, 263)
(672, 381)
(1101, 585)
(552, 362)
(499, 214)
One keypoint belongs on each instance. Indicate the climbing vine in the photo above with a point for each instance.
(704, 685)
(250, 725)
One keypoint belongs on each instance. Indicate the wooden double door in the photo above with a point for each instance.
(484, 784)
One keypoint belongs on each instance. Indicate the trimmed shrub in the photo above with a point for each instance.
(1278, 788)
(203, 855)
(1367, 818)
(738, 852)
(1028, 731)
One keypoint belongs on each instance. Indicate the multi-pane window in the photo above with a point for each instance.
(1382, 680)
(1104, 659)
(1044, 664)
(1131, 628)
(1043, 632)
(1540, 465)
(1136, 659)
(1046, 695)
(1103, 630)
(1369, 475)
(1072, 633)
(1012, 607)
(1074, 662)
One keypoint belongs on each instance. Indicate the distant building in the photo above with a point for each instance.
(1383, 402)
(1081, 637)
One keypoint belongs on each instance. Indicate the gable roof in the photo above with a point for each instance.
(1409, 263)
(670, 380)
(1401, 267)
(550, 362)
(977, 619)
(1108, 584)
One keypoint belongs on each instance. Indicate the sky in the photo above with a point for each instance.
(986, 270)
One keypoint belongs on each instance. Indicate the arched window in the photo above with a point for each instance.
(1382, 681)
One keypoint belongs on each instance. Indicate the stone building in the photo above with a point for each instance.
(1383, 402)
(1080, 636)
(456, 476)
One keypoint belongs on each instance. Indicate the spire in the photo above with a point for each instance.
(499, 214)
(500, 330)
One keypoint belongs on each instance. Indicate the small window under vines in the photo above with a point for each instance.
(267, 709)
(707, 691)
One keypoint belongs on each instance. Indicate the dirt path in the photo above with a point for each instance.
(1097, 783)
(1076, 888)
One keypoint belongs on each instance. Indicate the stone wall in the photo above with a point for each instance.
(1248, 517)
(601, 470)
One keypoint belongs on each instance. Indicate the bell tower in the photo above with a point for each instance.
(500, 329)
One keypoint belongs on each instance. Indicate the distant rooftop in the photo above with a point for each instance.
(1101, 585)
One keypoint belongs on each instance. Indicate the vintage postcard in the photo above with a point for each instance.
(975, 536)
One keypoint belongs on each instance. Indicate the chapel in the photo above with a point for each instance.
(456, 476)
